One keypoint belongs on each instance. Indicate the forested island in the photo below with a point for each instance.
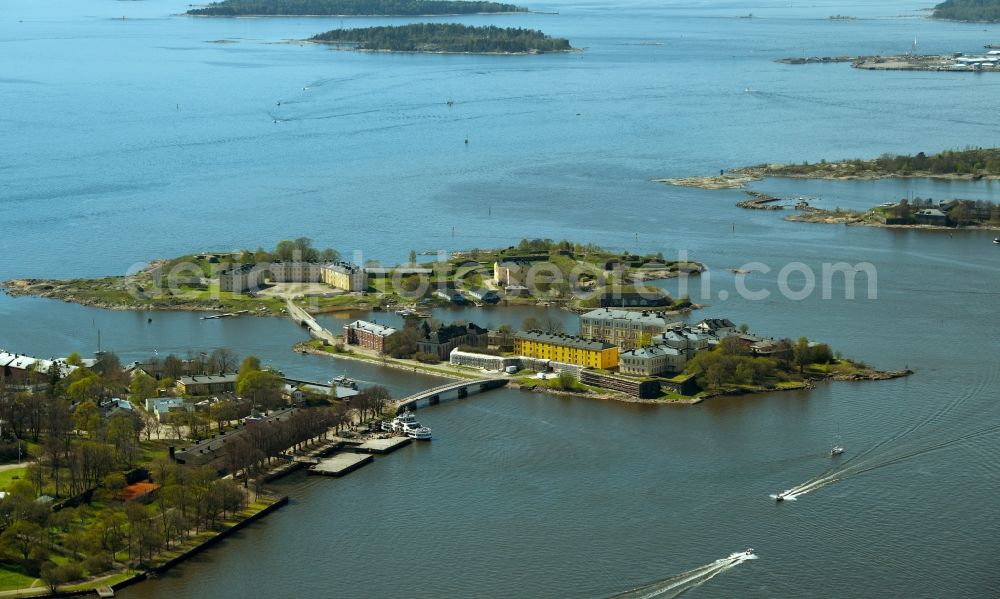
(445, 38)
(968, 10)
(969, 164)
(393, 8)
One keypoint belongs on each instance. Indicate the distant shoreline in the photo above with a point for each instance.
(373, 16)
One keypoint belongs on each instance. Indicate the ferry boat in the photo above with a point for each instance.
(406, 423)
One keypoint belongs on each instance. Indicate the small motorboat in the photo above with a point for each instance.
(836, 450)
(996, 240)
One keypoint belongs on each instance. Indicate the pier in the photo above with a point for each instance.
(432, 397)
(341, 464)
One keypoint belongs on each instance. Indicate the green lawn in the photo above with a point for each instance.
(13, 579)
(6, 478)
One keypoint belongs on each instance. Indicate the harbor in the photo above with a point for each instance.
(340, 464)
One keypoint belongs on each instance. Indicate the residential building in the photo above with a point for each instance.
(161, 407)
(344, 275)
(212, 451)
(517, 291)
(720, 327)
(486, 296)
(652, 361)
(565, 348)
(447, 338)
(452, 295)
(625, 328)
(115, 406)
(368, 335)
(207, 384)
(19, 368)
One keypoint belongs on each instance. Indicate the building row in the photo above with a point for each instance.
(249, 278)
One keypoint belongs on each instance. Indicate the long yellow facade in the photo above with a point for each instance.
(605, 357)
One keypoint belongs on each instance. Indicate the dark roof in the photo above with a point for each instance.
(447, 333)
(565, 340)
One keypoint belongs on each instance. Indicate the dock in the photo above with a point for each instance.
(340, 464)
(383, 446)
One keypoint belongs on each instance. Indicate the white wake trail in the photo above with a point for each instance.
(679, 584)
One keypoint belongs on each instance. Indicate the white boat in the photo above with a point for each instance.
(748, 554)
(996, 240)
(406, 424)
(836, 450)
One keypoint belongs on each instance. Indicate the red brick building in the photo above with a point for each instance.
(367, 335)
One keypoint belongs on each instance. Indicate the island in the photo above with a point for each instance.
(444, 38)
(971, 164)
(968, 10)
(381, 8)
(576, 276)
(615, 354)
(955, 62)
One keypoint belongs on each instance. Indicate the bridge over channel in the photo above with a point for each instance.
(432, 397)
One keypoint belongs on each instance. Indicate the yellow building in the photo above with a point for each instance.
(563, 348)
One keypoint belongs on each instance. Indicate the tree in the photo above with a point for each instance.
(413, 257)
(88, 388)
(221, 360)
(142, 386)
(173, 367)
(74, 359)
(801, 354)
(261, 387)
(121, 433)
(23, 536)
(250, 364)
(87, 417)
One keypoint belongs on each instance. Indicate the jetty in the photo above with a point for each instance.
(340, 464)
(383, 446)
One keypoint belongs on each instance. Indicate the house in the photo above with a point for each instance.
(652, 361)
(368, 335)
(931, 216)
(115, 406)
(624, 328)
(452, 295)
(207, 384)
(447, 338)
(565, 348)
(161, 407)
(720, 327)
(486, 296)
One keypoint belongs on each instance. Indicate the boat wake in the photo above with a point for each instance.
(679, 584)
(868, 460)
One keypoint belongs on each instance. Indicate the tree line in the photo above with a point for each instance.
(232, 8)
(970, 161)
(445, 37)
(968, 10)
